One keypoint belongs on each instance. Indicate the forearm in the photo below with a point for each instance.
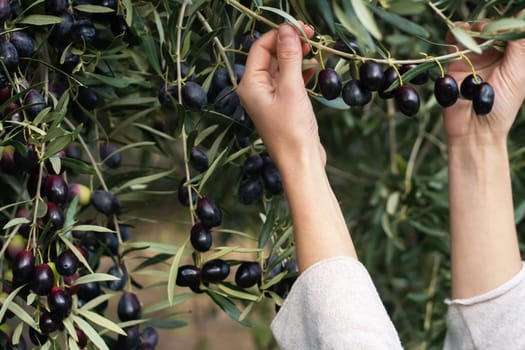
(320, 230)
(484, 244)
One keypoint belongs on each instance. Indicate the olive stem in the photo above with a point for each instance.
(32, 233)
(451, 56)
(221, 49)
(183, 131)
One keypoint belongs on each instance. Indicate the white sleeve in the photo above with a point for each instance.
(334, 305)
(492, 321)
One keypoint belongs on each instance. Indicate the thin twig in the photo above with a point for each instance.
(391, 113)
(448, 57)
(220, 47)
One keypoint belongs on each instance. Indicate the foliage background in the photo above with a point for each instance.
(388, 171)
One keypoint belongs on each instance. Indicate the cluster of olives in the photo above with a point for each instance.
(372, 77)
(259, 174)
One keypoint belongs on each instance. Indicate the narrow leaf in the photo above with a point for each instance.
(41, 20)
(365, 16)
(101, 321)
(465, 39)
(91, 333)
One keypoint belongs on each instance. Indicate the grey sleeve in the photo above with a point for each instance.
(334, 305)
(492, 321)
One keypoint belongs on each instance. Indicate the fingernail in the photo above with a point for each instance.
(287, 33)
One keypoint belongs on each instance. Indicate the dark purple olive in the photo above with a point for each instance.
(239, 69)
(36, 337)
(61, 33)
(215, 270)
(89, 291)
(483, 98)
(70, 61)
(60, 302)
(419, 79)
(194, 96)
(55, 7)
(329, 83)
(23, 42)
(390, 77)
(243, 125)
(88, 98)
(149, 336)
(9, 56)
(227, 101)
(200, 238)
(43, 280)
(105, 202)
(248, 39)
(54, 216)
(446, 90)
(220, 80)
(120, 272)
(350, 47)
(106, 149)
(355, 95)
(188, 275)
(24, 266)
(83, 32)
(272, 180)
(49, 322)
(168, 96)
(66, 263)
(468, 85)
(183, 194)
(56, 189)
(407, 100)
(371, 76)
(131, 340)
(253, 166)
(129, 308)
(28, 160)
(209, 213)
(250, 191)
(82, 338)
(34, 103)
(199, 159)
(248, 274)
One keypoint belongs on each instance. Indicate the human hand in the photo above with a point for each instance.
(505, 72)
(272, 92)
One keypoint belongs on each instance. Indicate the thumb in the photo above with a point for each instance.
(289, 57)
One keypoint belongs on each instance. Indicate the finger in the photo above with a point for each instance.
(289, 58)
(261, 53)
(309, 31)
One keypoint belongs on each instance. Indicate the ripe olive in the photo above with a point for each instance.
(446, 90)
(483, 98)
(250, 191)
(248, 274)
(9, 55)
(188, 276)
(60, 302)
(209, 213)
(407, 100)
(419, 79)
(120, 272)
(194, 96)
(83, 32)
(371, 76)
(24, 266)
(54, 216)
(200, 238)
(468, 85)
(329, 83)
(248, 39)
(56, 189)
(105, 202)
(66, 263)
(272, 180)
(23, 42)
(43, 280)
(215, 270)
(48, 322)
(252, 166)
(183, 194)
(105, 150)
(129, 308)
(355, 95)
(390, 77)
(199, 159)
